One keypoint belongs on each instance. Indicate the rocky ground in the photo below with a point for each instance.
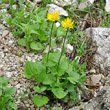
(12, 64)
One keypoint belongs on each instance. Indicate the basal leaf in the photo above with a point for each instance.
(12, 105)
(59, 92)
(63, 66)
(74, 77)
(40, 89)
(40, 100)
(10, 91)
(21, 42)
(49, 79)
(37, 46)
(30, 69)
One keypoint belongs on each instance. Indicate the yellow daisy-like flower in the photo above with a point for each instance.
(67, 23)
(53, 16)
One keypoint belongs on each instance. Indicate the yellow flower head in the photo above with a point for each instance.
(53, 16)
(67, 23)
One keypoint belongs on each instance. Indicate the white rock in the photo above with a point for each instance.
(3, 10)
(8, 74)
(46, 49)
(11, 42)
(102, 38)
(92, 71)
(85, 4)
(69, 48)
(1, 66)
(18, 86)
(5, 32)
(64, 2)
(28, 58)
(14, 7)
(57, 24)
(2, 54)
(107, 6)
(36, 1)
(54, 8)
(96, 78)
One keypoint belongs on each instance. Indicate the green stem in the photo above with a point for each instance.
(49, 45)
(62, 50)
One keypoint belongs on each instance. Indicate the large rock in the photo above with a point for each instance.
(107, 6)
(85, 4)
(64, 2)
(101, 102)
(102, 38)
(53, 8)
(102, 58)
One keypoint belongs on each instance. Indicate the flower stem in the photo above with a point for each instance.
(62, 50)
(49, 45)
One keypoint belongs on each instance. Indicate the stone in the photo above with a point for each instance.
(101, 102)
(64, 2)
(57, 24)
(92, 70)
(8, 74)
(107, 6)
(5, 32)
(96, 78)
(85, 4)
(46, 49)
(102, 38)
(11, 42)
(54, 8)
(69, 48)
(37, 1)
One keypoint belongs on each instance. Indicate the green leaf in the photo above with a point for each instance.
(70, 87)
(49, 79)
(0, 92)
(30, 69)
(37, 46)
(21, 42)
(58, 108)
(42, 36)
(40, 101)
(40, 89)
(74, 77)
(10, 91)
(41, 74)
(59, 92)
(53, 43)
(53, 59)
(13, 105)
(63, 66)
(8, 20)
(5, 99)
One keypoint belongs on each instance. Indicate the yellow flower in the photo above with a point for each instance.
(53, 16)
(67, 23)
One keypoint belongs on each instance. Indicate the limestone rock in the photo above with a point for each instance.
(85, 4)
(107, 6)
(54, 8)
(102, 38)
(64, 2)
(96, 78)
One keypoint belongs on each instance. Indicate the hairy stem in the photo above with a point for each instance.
(49, 45)
(62, 50)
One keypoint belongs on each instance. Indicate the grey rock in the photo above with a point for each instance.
(54, 8)
(101, 102)
(96, 78)
(85, 4)
(64, 2)
(5, 32)
(102, 38)
(107, 6)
